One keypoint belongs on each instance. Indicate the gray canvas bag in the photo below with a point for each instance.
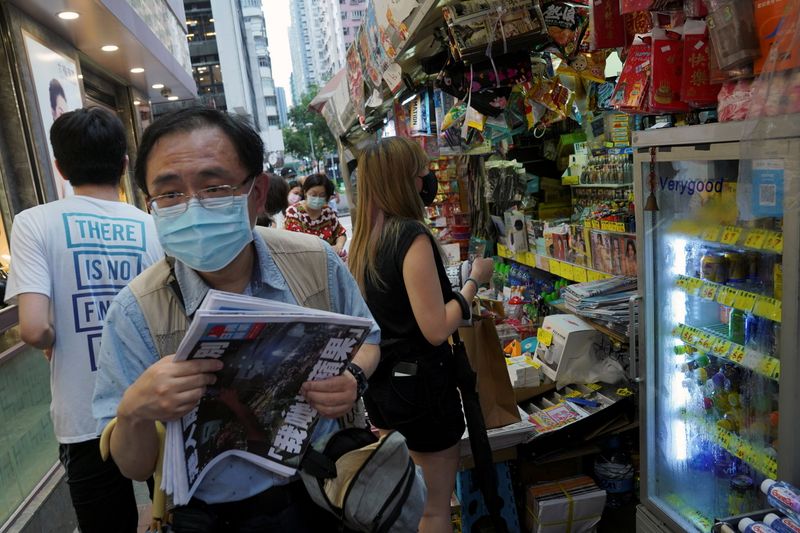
(371, 485)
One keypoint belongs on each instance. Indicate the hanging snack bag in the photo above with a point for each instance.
(732, 28)
(566, 23)
(633, 82)
(607, 27)
(667, 58)
(586, 66)
(696, 87)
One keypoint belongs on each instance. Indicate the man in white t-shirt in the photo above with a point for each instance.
(69, 258)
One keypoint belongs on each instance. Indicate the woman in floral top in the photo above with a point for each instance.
(312, 215)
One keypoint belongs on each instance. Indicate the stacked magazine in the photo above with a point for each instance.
(606, 301)
(255, 410)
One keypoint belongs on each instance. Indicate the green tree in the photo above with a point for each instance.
(295, 135)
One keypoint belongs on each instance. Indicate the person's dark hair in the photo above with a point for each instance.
(248, 143)
(277, 195)
(56, 90)
(288, 172)
(315, 180)
(89, 145)
(294, 182)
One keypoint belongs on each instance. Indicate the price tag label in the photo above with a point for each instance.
(705, 342)
(591, 275)
(726, 296)
(689, 335)
(730, 235)
(769, 308)
(580, 274)
(721, 347)
(711, 234)
(771, 466)
(566, 271)
(737, 354)
(544, 336)
(555, 267)
(693, 285)
(755, 238)
(502, 251)
(677, 331)
(595, 224)
(767, 366)
(744, 300)
(680, 281)
(774, 242)
(708, 290)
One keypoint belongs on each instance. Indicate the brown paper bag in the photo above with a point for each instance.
(494, 384)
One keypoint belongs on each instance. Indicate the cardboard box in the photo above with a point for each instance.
(573, 504)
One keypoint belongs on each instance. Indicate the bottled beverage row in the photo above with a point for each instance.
(755, 272)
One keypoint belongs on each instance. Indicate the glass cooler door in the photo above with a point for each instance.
(712, 285)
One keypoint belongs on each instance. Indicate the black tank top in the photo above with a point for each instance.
(390, 306)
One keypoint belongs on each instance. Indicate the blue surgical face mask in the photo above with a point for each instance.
(316, 202)
(206, 239)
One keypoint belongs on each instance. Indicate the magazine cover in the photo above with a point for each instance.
(255, 409)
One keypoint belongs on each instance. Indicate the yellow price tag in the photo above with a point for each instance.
(595, 224)
(624, 392)
(680, 281)
(726, 296)
(744, 300)
(711, 234)
(677, 331)
(768, 308)
(730, 235)
(544, 336)
(592, 275)
(737, 354)
(566, 271)
(708, 290)
(580, 274)
(705, 342)
(689, 335)
(594, 386)
(721, 347)
(767, 365)
(693, 284)
(555, 267)
(573, 394)
(755, 238)
(774, 242)
(771, 466)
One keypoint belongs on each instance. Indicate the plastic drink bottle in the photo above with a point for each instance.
(782, 496)
(748, 525)
(781, 525)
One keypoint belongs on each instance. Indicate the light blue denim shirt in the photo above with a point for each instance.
(127, 350)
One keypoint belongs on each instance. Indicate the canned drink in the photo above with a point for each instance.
(751, 260)
(737, 267)
(714, 267)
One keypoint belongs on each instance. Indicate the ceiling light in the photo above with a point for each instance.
(67, 15)
(137, 70)
(172, 98)
(110, 48)
(137, 102)
(157, 86)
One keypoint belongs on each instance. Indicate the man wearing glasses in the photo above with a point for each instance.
(201, 171)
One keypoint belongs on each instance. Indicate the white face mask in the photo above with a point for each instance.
(294, 198)
(316, 202)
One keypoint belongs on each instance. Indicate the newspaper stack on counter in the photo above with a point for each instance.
(505, 436)
(255, 410)
(606, 301)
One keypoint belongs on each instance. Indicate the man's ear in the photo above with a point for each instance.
(258, 196)
(58, 166)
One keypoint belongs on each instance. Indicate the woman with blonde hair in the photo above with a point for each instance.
(398, 266)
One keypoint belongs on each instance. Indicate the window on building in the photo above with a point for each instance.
(263, 61)
(346, 30)
(271, 100)
(273, 121)
(357, 14)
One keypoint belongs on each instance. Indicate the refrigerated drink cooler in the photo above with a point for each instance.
(718, 372)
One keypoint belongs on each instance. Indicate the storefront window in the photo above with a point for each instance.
(28, 448)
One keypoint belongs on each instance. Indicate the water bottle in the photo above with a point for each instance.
(782, 496)
(748, 525)
(781, 525)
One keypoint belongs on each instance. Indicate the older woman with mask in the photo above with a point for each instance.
(313, 215)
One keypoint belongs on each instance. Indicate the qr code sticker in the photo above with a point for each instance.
(766, 194)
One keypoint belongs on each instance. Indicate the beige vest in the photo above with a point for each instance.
(301, 258)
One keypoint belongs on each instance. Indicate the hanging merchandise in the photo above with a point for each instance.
(355, 81)
(774, 20)
(588, 67)
(607, 26)
(636, 23)
(631, 6)
(634, 80)
(665, 82)
(486, 28)
(566, 24)
(732, 28)
(696, 87)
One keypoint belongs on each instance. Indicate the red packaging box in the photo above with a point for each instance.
(697, 88)
(667, 65)
(607, 27)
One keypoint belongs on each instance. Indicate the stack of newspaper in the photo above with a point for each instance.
(254, 410)
(606, 301)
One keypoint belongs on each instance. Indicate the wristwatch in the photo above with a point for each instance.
(361, 378)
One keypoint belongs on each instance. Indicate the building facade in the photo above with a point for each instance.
(352, 13)
(317, 41)
(231, 64)
(283, 109)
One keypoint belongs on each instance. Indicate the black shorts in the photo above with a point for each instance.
(415, 393)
